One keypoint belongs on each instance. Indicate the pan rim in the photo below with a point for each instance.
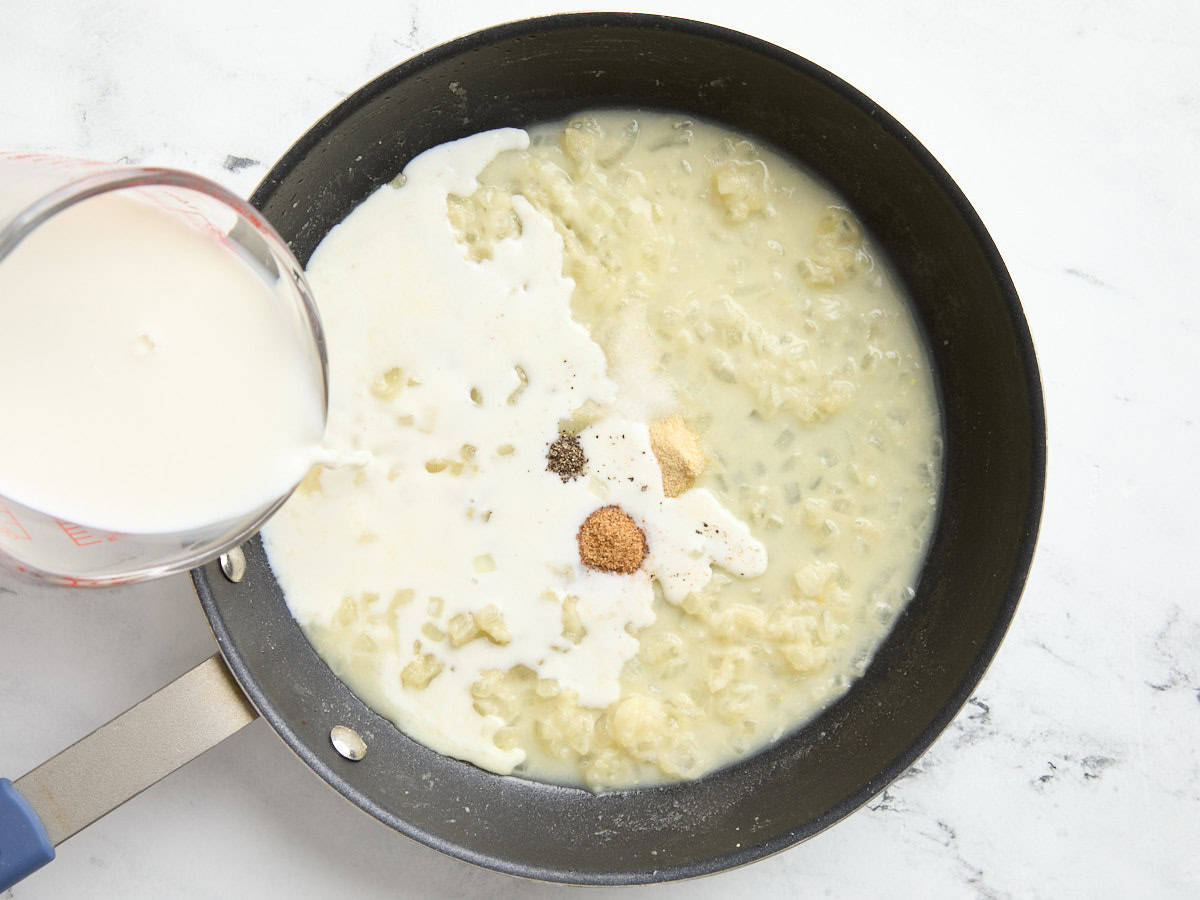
(1033, 503)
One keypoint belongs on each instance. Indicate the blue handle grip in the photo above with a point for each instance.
(24, 846)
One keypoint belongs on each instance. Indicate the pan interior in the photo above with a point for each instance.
(964, 301)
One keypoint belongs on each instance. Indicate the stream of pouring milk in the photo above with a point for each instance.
(149, 380)
(454, 376)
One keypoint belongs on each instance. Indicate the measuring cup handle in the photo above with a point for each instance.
(118, 760)
(24, 845)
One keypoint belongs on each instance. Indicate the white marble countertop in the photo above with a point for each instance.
(1073, 128)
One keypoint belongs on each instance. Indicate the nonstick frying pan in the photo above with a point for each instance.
(994, 462)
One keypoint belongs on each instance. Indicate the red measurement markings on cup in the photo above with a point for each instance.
(81, 536)
(9, 526)
(71, 581)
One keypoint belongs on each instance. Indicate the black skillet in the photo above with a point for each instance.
(542, 69)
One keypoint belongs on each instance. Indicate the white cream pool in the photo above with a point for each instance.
(612, 271)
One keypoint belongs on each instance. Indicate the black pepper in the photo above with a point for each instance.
(565, 457)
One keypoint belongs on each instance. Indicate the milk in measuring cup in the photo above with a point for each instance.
(150, 382)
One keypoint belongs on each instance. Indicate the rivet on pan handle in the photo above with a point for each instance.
(122, 758)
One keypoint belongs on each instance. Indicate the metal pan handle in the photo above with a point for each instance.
(117, 761)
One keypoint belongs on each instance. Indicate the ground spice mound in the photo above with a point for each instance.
(611, 541)
(679, 454)
(566, 458)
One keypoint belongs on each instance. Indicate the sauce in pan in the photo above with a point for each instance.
(743, 513)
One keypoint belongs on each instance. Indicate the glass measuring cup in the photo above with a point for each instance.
(40, 544)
